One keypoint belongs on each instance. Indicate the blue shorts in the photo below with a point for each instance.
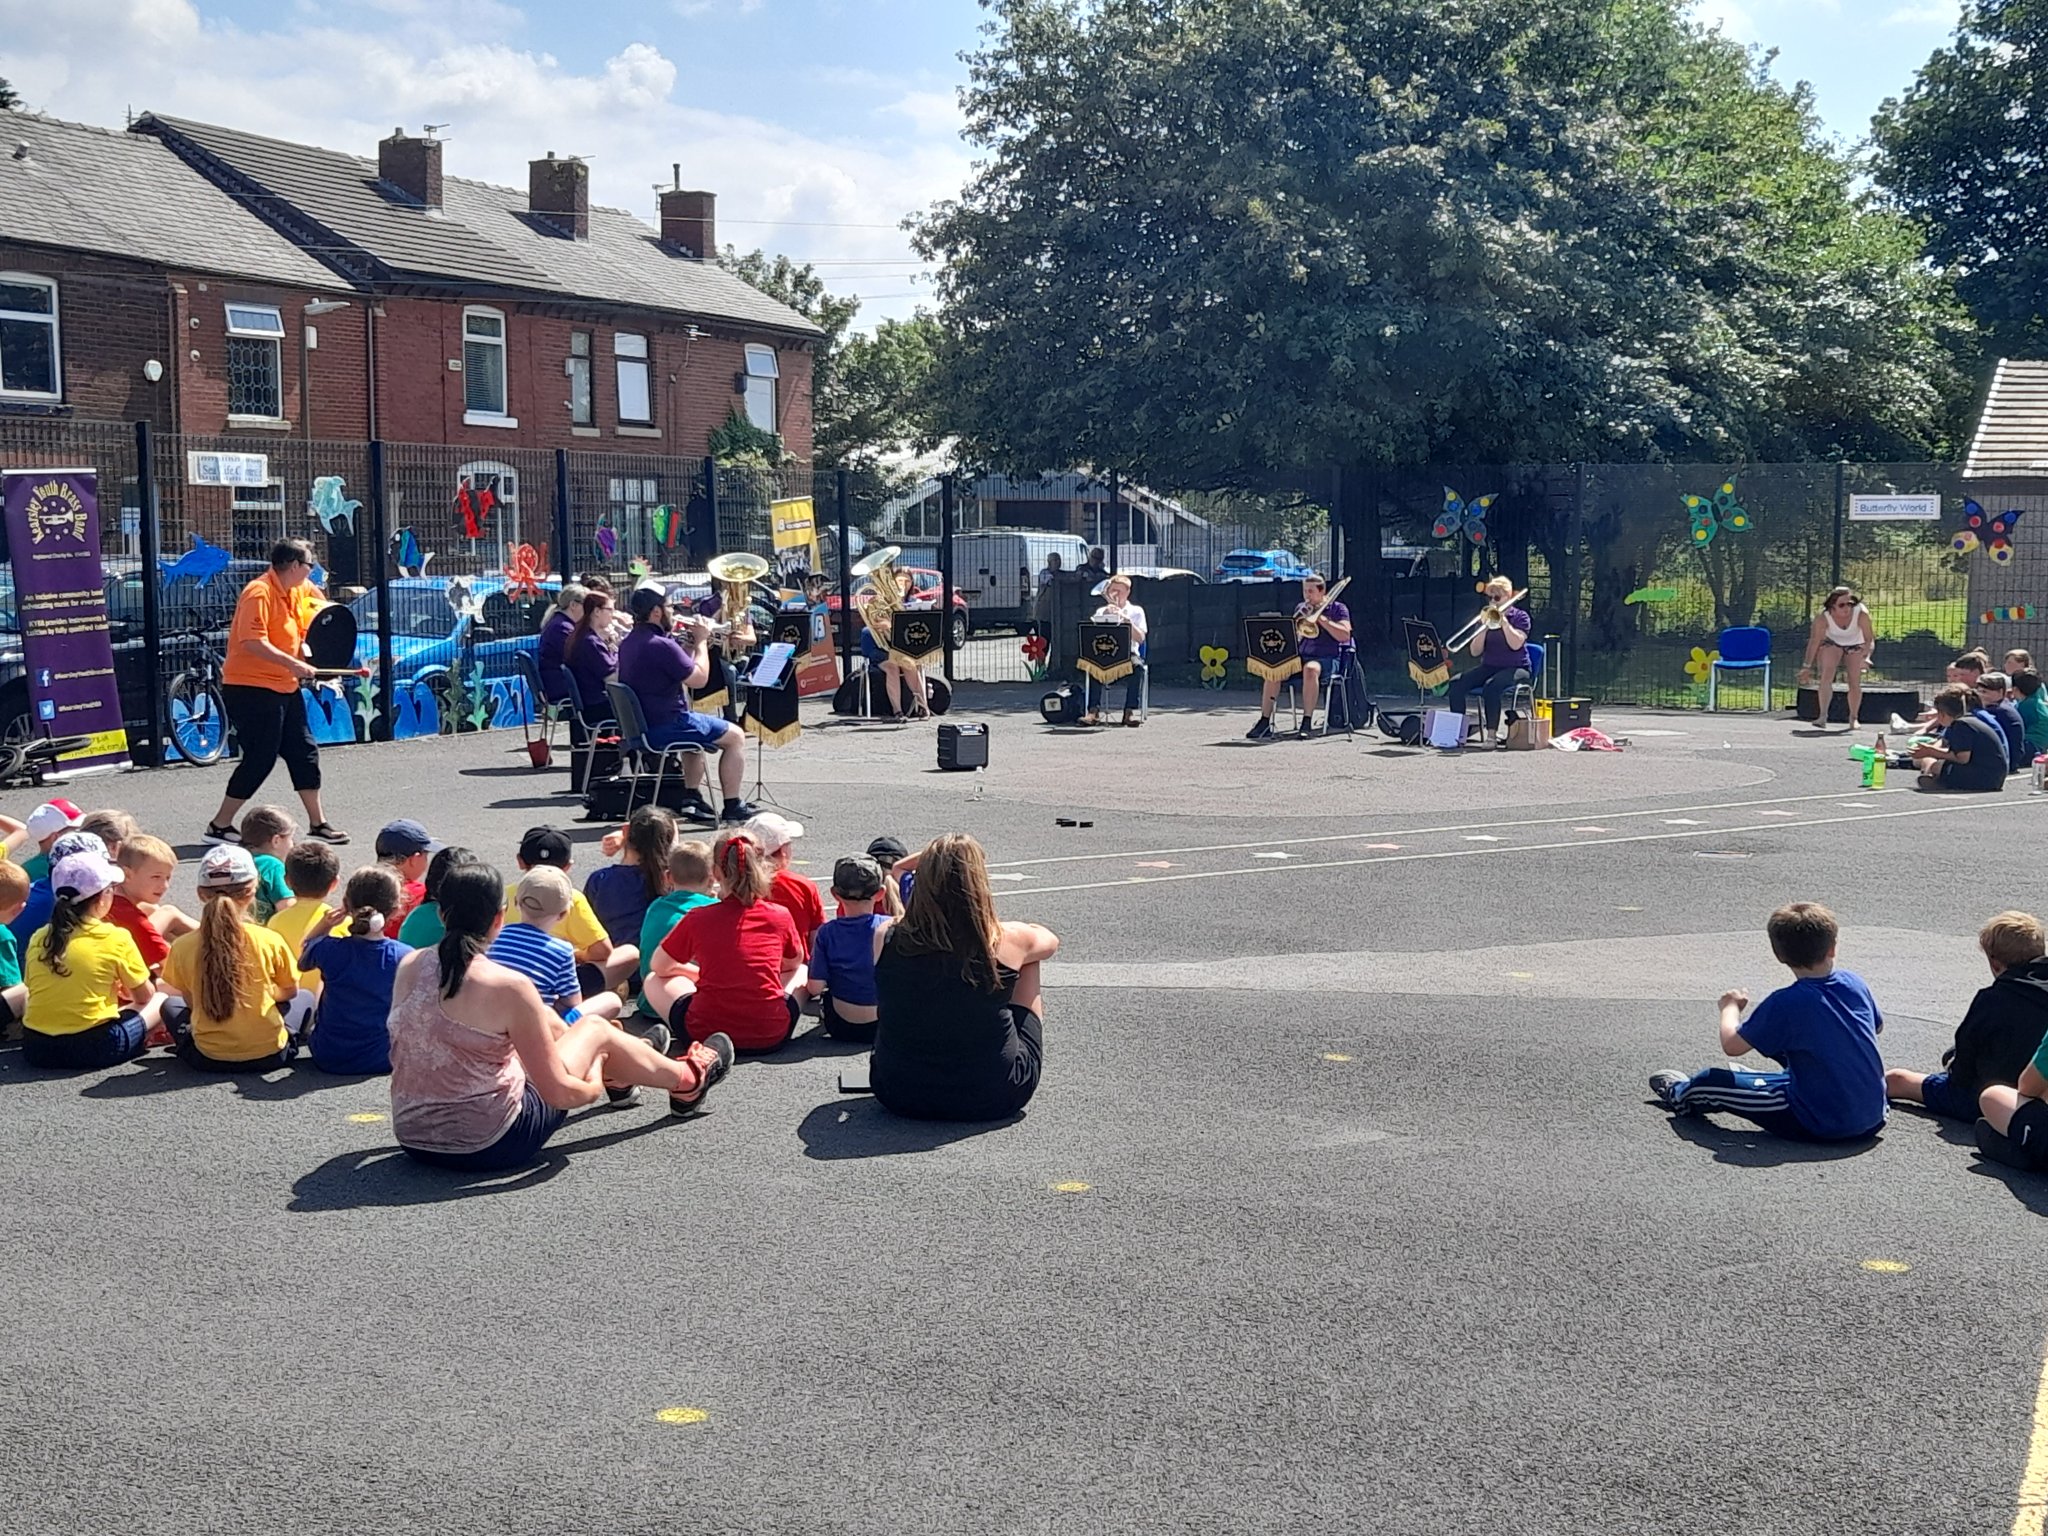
(871, 649)
(1940, 1096)
(86, 1050)
(520, 1144)
(690, 729)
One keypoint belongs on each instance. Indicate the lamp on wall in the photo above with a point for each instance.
(308, 340)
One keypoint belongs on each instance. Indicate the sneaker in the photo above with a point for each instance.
(2003, 1149)
(622, 1098)
(224, 835)
(712, 1057)
(737, 810)
(656, 1034)
(1263, 731)
(1902, 726)
(1664, 1087)
(697, 808)
(1308, 730)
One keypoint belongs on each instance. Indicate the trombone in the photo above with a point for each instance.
(1488, 617)
(1309, 620)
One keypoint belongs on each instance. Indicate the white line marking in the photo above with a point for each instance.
(1481, 837)
(1683, 821)
(1466, 853)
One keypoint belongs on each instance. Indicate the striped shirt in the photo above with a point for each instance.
(546, 961)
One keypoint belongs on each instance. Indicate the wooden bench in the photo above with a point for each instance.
(1880, 702)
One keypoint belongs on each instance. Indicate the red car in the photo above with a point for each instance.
(925, 582)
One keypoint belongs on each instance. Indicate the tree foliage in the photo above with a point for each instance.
(10, 98)
(1224, 241)
(1966, 152)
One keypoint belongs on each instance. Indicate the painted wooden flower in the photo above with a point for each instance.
(1214, 660)
(1035, 648)
(1701, 664)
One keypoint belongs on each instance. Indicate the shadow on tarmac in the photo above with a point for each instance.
(160, 1072)
(1748, 1147)
(385, 1176)
(2030, 1189)
(843, 1128)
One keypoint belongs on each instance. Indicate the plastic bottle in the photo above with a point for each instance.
(2040, 772)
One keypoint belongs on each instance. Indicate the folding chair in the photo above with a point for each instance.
(546, 711)
(636, 750)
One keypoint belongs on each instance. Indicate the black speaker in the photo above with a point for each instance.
(962, 747)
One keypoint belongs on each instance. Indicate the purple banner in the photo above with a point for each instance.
(60, 598)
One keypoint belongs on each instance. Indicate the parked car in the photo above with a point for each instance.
(429, 637)
(927, 584)
(1261, 565)
(1162, 573)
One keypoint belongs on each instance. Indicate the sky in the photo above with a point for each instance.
(820, 124)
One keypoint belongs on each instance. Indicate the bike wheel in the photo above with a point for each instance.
(199, 720)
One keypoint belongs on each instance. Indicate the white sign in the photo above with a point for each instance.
(227, 469)
(1884, 509)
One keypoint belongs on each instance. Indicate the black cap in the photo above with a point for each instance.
(645, 600)
(545, 845)
(856, 877)
(887, 850)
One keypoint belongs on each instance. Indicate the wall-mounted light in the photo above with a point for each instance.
(153, 371)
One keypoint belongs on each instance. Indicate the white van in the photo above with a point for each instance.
(996, 570)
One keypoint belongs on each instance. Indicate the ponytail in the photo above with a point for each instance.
(742, 867)
(472, 901)
(372, 898)
(227, 960)
(69, 913)
(649, 836)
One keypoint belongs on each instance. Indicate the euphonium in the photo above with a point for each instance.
(736, 574)
(878, 609)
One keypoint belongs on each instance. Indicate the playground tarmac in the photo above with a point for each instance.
(1341, 1207)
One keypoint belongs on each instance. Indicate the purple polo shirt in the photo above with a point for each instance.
(1498, 653)
(1322, 645)
(655, 666)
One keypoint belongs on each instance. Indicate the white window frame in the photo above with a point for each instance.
(53, 319)
(762, 373)
(583, 412)
(630, 350)
(263, 324)
(507, 512)
(501, 417)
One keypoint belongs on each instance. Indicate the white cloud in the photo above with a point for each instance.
(341, 73)
(1923, 16)
(1727, 16)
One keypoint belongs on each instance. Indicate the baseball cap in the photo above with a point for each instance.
(886, 849)
(773, 831)
(645, 600)
(404, 838)
(856, 877)
(545, 845)
(78, 842)
(86, 873)
(226, 865)
(544, 892)
(52, 817)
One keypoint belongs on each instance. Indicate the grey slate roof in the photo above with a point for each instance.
(482, 238)
(2012, 434)
(117, 194)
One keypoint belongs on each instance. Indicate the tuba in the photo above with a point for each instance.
(878, 610)
(735, 575)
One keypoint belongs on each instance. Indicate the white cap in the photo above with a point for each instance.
(85, 874)
(52, 817)
(774, 832)
(226, 866)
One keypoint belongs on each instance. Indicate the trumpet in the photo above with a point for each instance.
(1309, 620)
(1488, 617)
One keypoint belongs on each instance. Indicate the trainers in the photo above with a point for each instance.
(656, 1034)
(225, 835)
(1664, 1087)
(737, 810)
(697, 808)
(712, 1058)
(1308, 729)
(1263, 731)
(622, 1098)
(2003, 1149)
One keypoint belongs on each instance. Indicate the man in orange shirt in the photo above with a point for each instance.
(260, 684)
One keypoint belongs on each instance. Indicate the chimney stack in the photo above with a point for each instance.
(689, 222)
(413, 166)
(559, 191)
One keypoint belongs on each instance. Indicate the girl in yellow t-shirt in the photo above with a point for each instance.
(233, 979)
(90, 1002)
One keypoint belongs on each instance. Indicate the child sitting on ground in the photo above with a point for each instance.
(422, 928)
(1963, 672)
(311, 870)
(842, 971)
(404, 846)
(350, 1032)
(1970, 757)
(2004, 1027)
(529, 946)
(621, 893)
(1994, 699)
(147, 864)
(268, 832)
(2033, 707)
(1822, 1029)
(14, 884)
(749, 962)
(111, 827)
(90, 999)
(601, 964)
(2014, 1127)
(233, 978)
(689, 887)
(46, 823)
(778, 835)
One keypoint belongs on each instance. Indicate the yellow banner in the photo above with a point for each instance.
(794, 523)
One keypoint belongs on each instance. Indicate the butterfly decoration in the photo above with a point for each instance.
(467, 602)
(524, 566)
(330, 506)
(1993, 535)
(407, 555)
(1712, 514)
(667, 524)
(607, 540)
(637, 567)
(474, 505)
(1466, 517)
(202, 562)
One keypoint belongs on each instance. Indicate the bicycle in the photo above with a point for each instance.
(198, 709)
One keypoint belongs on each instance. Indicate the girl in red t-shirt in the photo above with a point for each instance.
(736, 966)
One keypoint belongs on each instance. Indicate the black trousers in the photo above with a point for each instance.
(270, 725)
(1493, 684)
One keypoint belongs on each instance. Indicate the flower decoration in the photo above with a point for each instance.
(1214, 660)
(1035, 649)
(1701, 664)
(523, 568)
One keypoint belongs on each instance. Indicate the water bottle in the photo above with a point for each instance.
(2040, 772)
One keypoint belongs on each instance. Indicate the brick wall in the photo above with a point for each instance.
(335, 370)
(113, 316)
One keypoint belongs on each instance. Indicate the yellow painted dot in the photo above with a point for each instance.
(1072, 1187)
(366, 1117)
(1885, 1266)
(1523, 975)
(1335, 1056)
(682, 1415)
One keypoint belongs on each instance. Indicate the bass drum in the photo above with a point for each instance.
(850, 695)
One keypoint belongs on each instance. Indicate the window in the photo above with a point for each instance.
(636, 396)
(579, 378)
(483, 363)
(761, 376)
(494, 489)
(258, 520)
(28, 337)
(255, 358)
(630, 505)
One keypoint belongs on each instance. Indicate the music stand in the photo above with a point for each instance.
(773, 672)
(1429, 664)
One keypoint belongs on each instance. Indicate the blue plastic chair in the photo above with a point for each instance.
(1746, 649)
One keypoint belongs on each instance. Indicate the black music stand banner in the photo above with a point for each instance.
(772, 711)
(1104, 651)
(914, 633)
(1429, 664)
(716, 693)
(1271, 648)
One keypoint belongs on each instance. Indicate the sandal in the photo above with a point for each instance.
(327, 832)
(221, 835)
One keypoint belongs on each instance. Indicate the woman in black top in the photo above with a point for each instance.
(959, 1035)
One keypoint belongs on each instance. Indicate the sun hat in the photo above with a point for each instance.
(52, 817)
(85, 874)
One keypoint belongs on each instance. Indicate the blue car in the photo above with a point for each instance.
(1261, 565)
(430, 638)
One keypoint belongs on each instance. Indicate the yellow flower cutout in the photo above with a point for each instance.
(1213, 659)
(1701, 664)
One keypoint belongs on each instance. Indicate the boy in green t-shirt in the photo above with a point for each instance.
(14, 884)
(268, 832)
(2028, 699)
(689, 886)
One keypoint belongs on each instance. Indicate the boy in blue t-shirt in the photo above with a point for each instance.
(842, 973)
(1822, 1030)
(1995, 690)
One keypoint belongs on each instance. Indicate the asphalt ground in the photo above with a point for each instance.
(1341, 1207)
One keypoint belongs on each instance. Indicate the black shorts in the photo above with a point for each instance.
(2029, 1131)
(844, 1029)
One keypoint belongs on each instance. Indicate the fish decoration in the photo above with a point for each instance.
(407, 555)
(607, 540)
(201, 563)
(331, 506)
(467, 603)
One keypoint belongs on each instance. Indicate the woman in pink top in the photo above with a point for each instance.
(483, 1072)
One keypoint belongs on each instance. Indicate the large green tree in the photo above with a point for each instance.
(1225, 241)
(10, 98)
(1966, 152)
